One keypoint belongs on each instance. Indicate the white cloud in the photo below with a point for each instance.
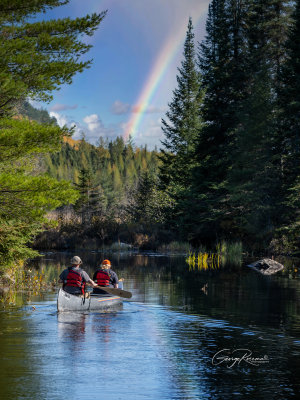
(62, 120)
(92, 127)
(93, 122)
(35, 103)
(95, 128)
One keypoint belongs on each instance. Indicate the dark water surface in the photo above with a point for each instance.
(166, 343)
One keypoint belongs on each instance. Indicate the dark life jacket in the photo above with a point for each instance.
(102, 277)
(74, 278)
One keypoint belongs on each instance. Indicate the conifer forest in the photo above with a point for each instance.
(228, 167)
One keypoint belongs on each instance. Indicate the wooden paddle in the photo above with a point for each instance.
(115, 291)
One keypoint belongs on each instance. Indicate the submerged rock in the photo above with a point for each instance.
(266, 266)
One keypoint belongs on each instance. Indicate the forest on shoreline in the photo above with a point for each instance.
(227, 169)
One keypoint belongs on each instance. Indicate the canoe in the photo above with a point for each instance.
(102, 302)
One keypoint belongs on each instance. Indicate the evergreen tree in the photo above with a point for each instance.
(222, 68)
(252, 182)
(182, 125)
(238, 61)
(289, 102)
(25, 196)
(35, 59)
(148, 204)
(289, 131)
(92, 201)
(254, 178)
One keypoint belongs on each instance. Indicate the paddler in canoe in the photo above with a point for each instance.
(105, 276)
(74, 278)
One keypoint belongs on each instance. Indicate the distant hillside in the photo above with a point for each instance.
(114, 167)
(39, 115)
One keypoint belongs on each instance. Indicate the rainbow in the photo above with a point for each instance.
(166, 55)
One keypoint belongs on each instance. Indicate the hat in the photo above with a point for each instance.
(106, 262)
(76, 260)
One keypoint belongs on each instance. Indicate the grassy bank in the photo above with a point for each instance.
(21, 278)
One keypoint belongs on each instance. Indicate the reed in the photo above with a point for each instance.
(231, 253)
(191, 260)
(226, 254)
(203, 261)
(21, 278)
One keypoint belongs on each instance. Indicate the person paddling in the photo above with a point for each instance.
(105, 276)
(74, 278)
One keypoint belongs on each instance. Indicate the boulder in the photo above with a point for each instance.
(266, 266)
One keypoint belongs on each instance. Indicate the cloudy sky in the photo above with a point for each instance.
(136, 52)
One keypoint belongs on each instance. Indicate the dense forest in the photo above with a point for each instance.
(228, 166)
(231, 154)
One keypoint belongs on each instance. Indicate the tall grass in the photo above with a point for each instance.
(19, 283)
(226, 254)
(231, 253)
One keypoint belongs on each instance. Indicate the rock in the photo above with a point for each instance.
(266, 266)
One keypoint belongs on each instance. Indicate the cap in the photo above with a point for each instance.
(76, 260)
(106, 262)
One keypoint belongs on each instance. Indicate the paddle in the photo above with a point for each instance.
(116, 291)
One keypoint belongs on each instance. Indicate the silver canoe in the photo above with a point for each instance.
(69, 302)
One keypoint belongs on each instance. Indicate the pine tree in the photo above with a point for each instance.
(182, 125)
(289, 101)
(254, 178)
(252, 182)
(239, 61)
(148, 204)
(35, 59)
(222, 68)
(92, 201)
(289, 131)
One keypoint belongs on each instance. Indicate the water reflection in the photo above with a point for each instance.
(161, 344)
(71, 326)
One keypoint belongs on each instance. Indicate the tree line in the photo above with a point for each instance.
(230, 158)
(106, 175)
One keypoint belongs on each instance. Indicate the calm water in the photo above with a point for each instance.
(166, 343)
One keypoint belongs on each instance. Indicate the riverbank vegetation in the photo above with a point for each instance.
(228, 168)
(36, 58)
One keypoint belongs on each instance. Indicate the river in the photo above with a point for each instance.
(223, 334)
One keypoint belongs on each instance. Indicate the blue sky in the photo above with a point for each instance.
(102, 100)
